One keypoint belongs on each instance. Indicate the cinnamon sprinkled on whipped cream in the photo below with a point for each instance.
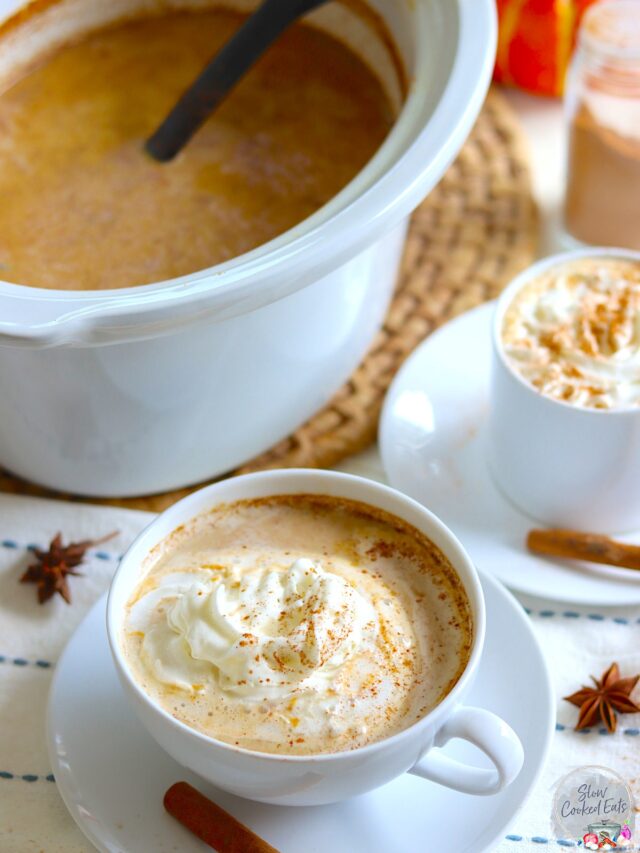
(574, 333)
(265, 633)
(297, 624)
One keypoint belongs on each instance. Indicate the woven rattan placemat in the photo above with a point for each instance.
(466, 241)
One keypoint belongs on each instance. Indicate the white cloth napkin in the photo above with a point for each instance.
(577, 643)
(33, 817)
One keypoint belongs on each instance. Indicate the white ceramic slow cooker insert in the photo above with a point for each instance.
(144, 389)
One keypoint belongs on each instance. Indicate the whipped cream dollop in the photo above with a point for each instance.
(574, 334)
(267, 632)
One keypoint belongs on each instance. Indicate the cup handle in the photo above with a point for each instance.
(490, 734)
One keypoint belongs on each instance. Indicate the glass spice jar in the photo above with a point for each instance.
(602, 202)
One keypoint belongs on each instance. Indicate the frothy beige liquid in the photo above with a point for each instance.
(298, 624)
(83, 207)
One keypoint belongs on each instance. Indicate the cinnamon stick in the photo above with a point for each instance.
(574, 545)
(210, 823)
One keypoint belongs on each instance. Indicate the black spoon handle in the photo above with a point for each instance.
(223, 72)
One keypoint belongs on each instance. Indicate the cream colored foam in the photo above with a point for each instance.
(574, 333)
(370, 625)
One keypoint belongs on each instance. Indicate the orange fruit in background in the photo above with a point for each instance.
(535, 42)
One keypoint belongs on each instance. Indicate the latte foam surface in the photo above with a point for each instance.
(574, 333)
(297, 625)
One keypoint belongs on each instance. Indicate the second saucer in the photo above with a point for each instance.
(433, 446)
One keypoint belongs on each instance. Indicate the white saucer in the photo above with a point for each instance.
(432, 442)
(112, 775)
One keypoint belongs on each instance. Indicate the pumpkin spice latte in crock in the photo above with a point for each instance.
(90, 209)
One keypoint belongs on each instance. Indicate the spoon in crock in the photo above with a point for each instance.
(222, 73)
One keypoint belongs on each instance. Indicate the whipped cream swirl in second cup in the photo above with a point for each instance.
(574, 333)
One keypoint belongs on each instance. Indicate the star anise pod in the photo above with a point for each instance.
(610, 694)
(52, 566)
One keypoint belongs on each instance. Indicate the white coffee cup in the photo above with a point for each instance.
(325, 778)
(563, 465)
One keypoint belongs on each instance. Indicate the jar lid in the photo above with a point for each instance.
(612, 28)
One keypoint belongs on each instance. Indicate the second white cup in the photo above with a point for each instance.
(563, 465)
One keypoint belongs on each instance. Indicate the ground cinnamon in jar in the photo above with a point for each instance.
(602, 203)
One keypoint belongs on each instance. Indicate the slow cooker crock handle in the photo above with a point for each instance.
(492, 736)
